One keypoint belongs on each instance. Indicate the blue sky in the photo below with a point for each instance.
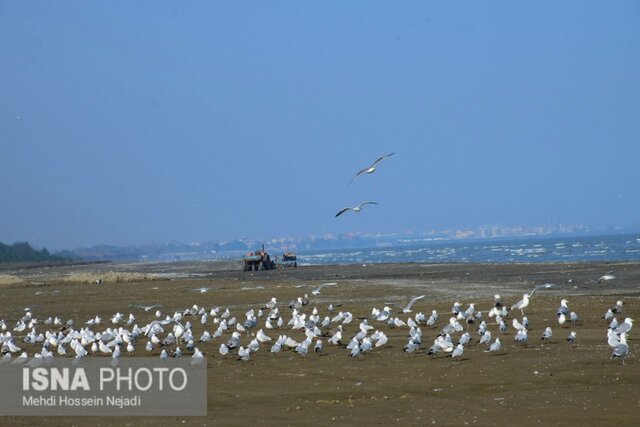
(134, 122)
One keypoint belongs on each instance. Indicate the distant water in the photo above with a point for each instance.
(559, 249)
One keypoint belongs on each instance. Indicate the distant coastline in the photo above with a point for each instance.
(572, 247)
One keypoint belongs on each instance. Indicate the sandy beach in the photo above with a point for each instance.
(542, 383)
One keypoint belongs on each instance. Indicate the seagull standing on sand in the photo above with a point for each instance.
(564, 308)
(224, 350)
(20, 359)
(624, 327)
(561, 319)
(382, 339)
(262, 337)
(614, 323)
(197, 357)
(621, 350)
(465, 338)
(497, 301)
(494, 347)
(522, 336)
(271, 304)
(612, 339)
(573, 317)
(356, 208)
(457, 352)
(244, 354)
(372, 168)
(617, 308)
(524, 302)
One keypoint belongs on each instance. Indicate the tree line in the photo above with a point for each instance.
(23, 252)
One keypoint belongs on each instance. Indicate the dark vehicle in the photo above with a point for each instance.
(258, 260)
(289, 259)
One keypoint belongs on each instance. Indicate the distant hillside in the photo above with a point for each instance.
(23, 253)
(173, 251)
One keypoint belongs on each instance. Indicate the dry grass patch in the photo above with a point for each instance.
(7, 279)
(108, 277)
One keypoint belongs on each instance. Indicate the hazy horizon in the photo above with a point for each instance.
(129, 123)
(552, 232)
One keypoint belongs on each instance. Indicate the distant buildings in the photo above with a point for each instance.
(328, 241)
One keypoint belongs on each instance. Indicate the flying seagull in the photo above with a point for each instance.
(147, 307)
(355, 209)
(317, 290)
(407, 309)
(543, 286)
(607, 277)
(372, 168)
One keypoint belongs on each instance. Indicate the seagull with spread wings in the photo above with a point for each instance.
(356, 208)
(407, 309)
(607, 277)
(524, 302)
(145, 307)
(317, 290)
(156, 326)
(372, 168)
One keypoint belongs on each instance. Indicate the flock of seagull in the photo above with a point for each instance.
(368, 170)
(274, 325)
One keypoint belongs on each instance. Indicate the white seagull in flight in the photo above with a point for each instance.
(146, 307)
(607, 277)
(407, 308)
(317, 290)
(372, 168)
(355, 209)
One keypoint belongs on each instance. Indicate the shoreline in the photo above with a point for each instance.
(508, 278)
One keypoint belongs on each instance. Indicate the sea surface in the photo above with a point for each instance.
(532, 249)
